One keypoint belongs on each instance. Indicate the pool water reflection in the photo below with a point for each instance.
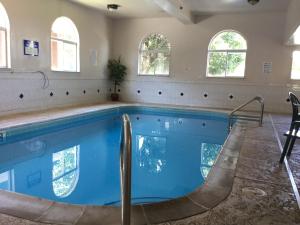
(172, 155)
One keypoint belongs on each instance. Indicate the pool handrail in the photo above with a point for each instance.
(125, 169)
(259, 118)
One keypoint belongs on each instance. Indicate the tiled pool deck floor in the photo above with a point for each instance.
(282, 123)
(262, 193)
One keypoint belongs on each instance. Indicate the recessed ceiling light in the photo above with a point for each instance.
(253, 2)
(113, 7)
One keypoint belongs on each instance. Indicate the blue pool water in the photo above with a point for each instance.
(76, 160)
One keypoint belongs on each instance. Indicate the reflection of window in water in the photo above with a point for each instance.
(35, 145)
(209, 153)
(7, 180)
(151, 152)
(65, 172)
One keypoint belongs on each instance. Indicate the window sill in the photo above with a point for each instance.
(65, 71)
(6, 70)
(154, 75)
(240, 78)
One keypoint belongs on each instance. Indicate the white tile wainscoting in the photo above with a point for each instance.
(217, 95)
(225, 96)
(24, 93)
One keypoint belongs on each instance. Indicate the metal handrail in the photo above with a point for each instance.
(125, 169)
(255, 118)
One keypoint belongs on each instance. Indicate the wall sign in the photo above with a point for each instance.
(31, 48)
(267, 67)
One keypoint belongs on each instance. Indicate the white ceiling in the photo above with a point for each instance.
(129, 8)
(147, 8)
(233, 6)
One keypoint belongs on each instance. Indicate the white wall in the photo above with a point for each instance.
(264, 33)
(32, 19)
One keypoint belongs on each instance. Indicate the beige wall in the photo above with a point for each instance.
(32, 19)
(264, 33)
(292, 20)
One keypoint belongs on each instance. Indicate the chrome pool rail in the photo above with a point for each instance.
(258, 118)
(125, 169)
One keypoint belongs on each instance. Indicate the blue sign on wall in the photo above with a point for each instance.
(31, 48)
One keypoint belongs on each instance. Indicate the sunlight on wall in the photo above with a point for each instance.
(295, 74)
(297, 36)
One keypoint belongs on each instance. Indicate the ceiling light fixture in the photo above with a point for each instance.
(253, 2)
(113, 7)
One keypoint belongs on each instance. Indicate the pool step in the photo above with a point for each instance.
(137, 201)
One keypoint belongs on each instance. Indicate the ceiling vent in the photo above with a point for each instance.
(253, 2)
(113, 7)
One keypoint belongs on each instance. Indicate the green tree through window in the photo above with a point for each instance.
(227, 55)
(154, 55)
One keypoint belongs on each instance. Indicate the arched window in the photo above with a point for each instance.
(4, 39)
(65, 171)
(227, 55)
(154, 55)
(64, 46)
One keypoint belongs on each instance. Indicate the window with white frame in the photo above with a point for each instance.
(154, 55)
(227, 55)
(295, 74)
(64, 46)
(4, 38)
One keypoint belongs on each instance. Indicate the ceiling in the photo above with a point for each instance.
(147, 8)
(234, 6)
(128, 9)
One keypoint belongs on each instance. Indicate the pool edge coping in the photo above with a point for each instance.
(217, 187)
(97, 108)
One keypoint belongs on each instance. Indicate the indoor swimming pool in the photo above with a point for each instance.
(76, 160)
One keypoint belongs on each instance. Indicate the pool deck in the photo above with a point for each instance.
(262, 193)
